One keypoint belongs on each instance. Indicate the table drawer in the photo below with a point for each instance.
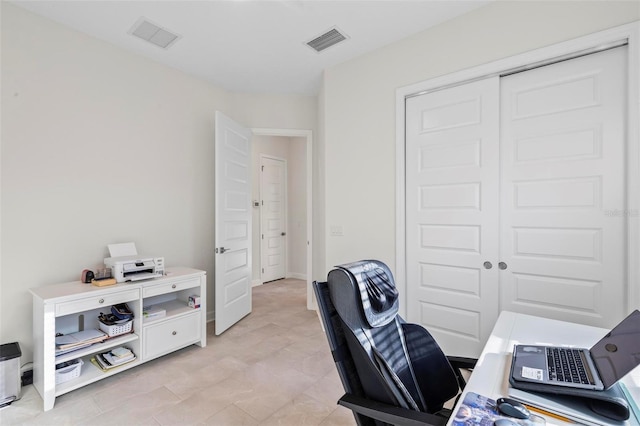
(167, 336)
(95, 302)
(155, 290)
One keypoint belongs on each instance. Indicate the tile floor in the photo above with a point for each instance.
(272, 368)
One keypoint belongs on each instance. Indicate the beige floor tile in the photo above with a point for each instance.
(340, 416)
(327, 390)
(70, 412)
(286, 381)
(200, 379)
(21, 412)
(231, 416)
(193, 410)
(303, 411)
(133, 410)
(262, 402)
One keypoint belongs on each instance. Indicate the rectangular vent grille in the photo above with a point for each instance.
(326, 40)
(153, 33)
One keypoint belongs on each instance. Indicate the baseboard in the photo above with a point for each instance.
(297, 276)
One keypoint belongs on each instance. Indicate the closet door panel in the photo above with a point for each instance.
(452, 213)
(563, 190)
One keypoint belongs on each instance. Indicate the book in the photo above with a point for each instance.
(153, 312)
(121, 352)
(480, 410)
(71, 349)
(103, 282)
(79, 339)
(108, 360)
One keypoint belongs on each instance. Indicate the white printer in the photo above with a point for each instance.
(127, 265)
(135, 268)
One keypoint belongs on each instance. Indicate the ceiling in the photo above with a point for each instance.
(254, 46)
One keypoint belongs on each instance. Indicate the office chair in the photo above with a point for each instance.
(392, 372)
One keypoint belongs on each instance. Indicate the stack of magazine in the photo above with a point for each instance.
(114, 358)
(81, 339)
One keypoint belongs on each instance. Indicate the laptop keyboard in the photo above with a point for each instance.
(566, 365)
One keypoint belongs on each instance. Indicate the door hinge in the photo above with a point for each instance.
(263, 270)
(262, 169)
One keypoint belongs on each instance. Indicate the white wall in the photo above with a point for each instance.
(357, 106)
(293, 150)
(102, 146)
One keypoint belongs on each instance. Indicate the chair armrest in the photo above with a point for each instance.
(462, 362)
(389, 413)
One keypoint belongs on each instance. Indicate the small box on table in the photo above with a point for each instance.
(194, 301)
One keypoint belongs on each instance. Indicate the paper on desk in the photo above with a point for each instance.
(122, 249)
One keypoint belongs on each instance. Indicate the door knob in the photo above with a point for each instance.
(283, 233)
(487, 265)
(502, 265)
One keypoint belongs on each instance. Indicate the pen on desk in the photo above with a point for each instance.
(548, 413)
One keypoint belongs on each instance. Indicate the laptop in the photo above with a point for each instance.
(598, 368)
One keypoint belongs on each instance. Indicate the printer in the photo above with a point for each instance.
(135, 268)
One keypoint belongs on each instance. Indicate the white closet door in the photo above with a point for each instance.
(563, 206)
(452, 213)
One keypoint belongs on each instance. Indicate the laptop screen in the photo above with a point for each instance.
(618, 352)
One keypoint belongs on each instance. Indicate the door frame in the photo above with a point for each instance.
(286, 216)
(625, 34)
(308, 136)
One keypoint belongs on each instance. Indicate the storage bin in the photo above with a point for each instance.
(68, 371)
(117, 329)
(10, 385)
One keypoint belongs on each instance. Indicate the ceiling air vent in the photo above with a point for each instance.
(326, 40)
(154, 34)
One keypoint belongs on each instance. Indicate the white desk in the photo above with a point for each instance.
(491, 375)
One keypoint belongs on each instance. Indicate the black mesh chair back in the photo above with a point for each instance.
(383, 362)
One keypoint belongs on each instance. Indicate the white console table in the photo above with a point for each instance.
(69, 307)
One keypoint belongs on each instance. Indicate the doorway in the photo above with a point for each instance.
(295, 147)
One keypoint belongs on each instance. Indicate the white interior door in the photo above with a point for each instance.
(563, 190)
(452, 214)
(273, 218)
(232, 222)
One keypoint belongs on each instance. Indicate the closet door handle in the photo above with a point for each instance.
(487, 265)
(502, 266)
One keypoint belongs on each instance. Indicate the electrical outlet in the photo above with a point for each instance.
(336, 231)
(27, 377)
